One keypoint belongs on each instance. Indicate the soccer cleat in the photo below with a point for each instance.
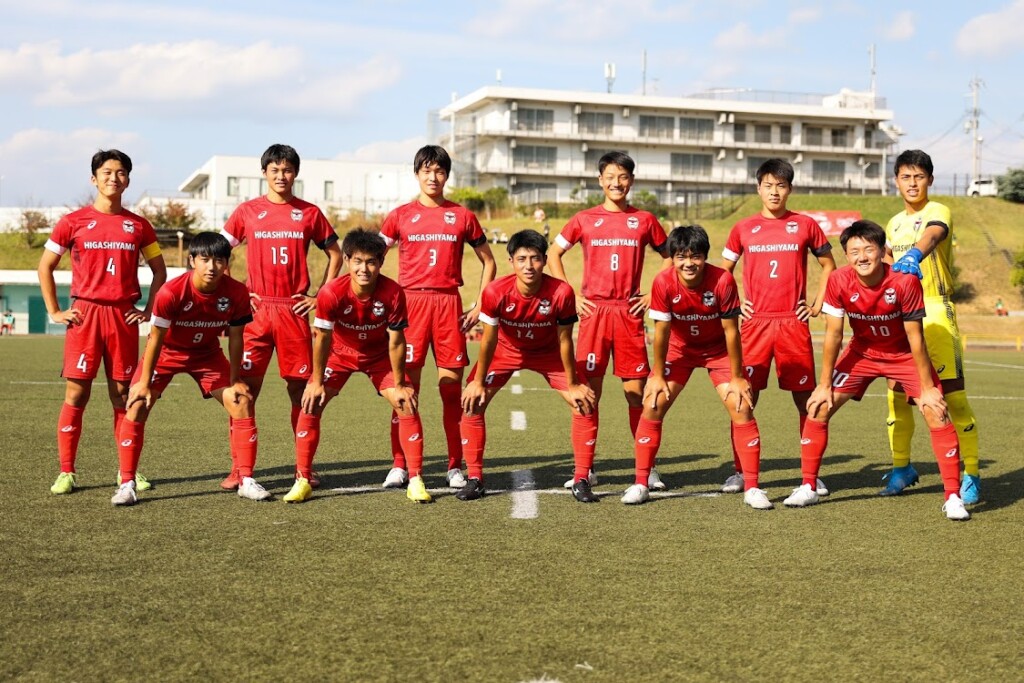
(230, 482)
(802, 496)
(314, 480)
(473, 489)
(970, 489)
(65, 483)
(898, 479)
(654, 481)
(582, 492)
(757, 499)
(396, 479)
(820, 488)
(141, 483)
(125, 494)
(456, 480)
(591, 477)
(301, 491)
(734, 484)
(636, 494)
(417, 491)
(251, 489)
(955, 510)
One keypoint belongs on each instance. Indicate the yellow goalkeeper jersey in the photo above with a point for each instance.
(903, 232)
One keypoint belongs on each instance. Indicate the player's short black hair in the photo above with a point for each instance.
(780, 169)
(528, 239)
(914, 157)
(364, 241)
(866, 230)
(104, 155)
(620, 159)
(689, 239)
(432, 154)
(210, 244)
(275, 154)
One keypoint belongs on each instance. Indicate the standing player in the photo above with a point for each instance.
(611, 307)
(774, 245)
(360, 318)
(885, 310)
(106, 242)
(189, 315)
(919, 239)
(528, 318)
(430, 233)
(278, 229)
(696, 309)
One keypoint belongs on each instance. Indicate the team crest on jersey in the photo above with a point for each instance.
(187, 307)
(755, 229)
(261, 215)
(415, 219)
(223, 304)
(92, 224)
(378, 308)
(296, 215)
(598, 222)
(856, 295)
(632, 222)
(890, 296)
(708, 299)
(449, 217)
(128, 227)
(348, 309)
(545, 307)
(792, 227)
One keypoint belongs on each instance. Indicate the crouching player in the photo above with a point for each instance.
(528, 318)
(886, 310)
(696, 309)
(189, 314)
(360, 318)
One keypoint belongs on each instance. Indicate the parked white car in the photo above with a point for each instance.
(985, 187)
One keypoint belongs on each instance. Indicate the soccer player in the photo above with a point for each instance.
(430, 233)
(106, 242)
(360, 322)
(610, 307)
(774, 245)
(885, 309)
(278, 229)
(528, 318)
(696, 309)
(920, 240)
(189, 315)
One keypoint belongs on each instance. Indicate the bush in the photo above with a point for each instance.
(1011, 185)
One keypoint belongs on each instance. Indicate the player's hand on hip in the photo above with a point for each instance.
(303, 304)
(134, 316)
(255, 302)
(639, 304)
(747, 309)
(584, 306)
(70, 317)
(469, 319)
(910, 263)
(803, 311)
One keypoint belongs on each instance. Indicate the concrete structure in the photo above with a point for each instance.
(543, 145)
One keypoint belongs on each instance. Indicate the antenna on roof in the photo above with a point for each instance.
(609, 74)
(497, 76)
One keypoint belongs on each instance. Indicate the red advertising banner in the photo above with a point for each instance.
(833, 222)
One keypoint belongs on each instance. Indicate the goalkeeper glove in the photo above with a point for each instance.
(910, 263)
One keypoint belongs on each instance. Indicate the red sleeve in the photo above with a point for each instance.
(565, 310)
(323, 232)
(241, 313)
(399, 318)
(474, 232)
(657, 235)
(489, 301)
(148, 234)
(733, 243)
(834, 291)
(571, 232)
(389, 228)
(819, 242)
(912, 298)
(660, 300)
(61, 234)
(326, 303)
(166, 304)
(235, 225)
(728, 296)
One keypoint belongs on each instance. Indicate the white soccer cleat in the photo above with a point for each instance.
(456, 480)
(591, 477)
(757, 499)
(251, 489)
(396, 479)
(636, 494)
(955, 510)
(734, 484)
(654, 481)
(125, 495)
(820, 487)
(802, 496)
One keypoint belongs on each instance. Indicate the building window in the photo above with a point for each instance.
(656, 126)
(232, 186)
(762, 133)
(596, 123)
(530, 156)
(812, 136)
(872, 170)
(264, 187)
(536, 119)
(739, 132)
(691, 165)
(839, 137)
(831, 172)
(297, 188)
(328, 190)
(754, 163)
(700, 130)
(786, 134)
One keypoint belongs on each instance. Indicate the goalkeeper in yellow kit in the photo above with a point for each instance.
(920, 242)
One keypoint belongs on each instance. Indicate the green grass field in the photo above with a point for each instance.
(362, 585)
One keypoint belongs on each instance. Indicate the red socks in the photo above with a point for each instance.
(736, 462)
(307, 438)
(812, 448)
(634, 418)
(947, 453)
(129, 448)
(69, 431)
(646, 445)
(451, 406)
(474, 438)
(584, 441)
(397, 454)
(243, 445)
(296, 411)
(747, 447)
(410, 431)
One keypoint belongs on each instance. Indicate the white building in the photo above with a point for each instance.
(543, 145)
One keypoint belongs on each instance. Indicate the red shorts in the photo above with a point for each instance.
(211, 371)
(104, 334)
(785, 339)
(275, 326)
(679, 369)
(434, 322)
(340, 368)
(504, 363)
(854, 372)
(611, 329)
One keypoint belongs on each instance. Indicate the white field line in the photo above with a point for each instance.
(516, 388)
(548, 492)
(518, 421)
(516, 374)
(995, 365)
(525, 503)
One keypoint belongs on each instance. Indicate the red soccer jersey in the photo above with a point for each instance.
(613, 249)
(194, 320)
(430, 243)
(105, 252)
(876, 313)
(528, 323)
(361, 325)
(696, 313)
(774, 254)
(278, 236)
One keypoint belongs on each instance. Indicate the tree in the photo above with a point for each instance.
(1017, 274)
(1011, 185)
(172, 216)
(32, 222)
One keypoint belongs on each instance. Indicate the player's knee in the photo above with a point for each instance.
(77, 394)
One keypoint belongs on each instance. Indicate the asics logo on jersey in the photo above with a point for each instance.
(296, 215)
(641, 367)
(303, 369)
(598, 223)
(458, 357)
(129, 368)
(187, 307)
(415, 219)
(632, 222)
(756, 228)
(511, 307)
(854, 297)
(394, 420)
(92, 224)
(644, 439)
(449, 217)
(415, 437)
(347, 310)
(465, 441)
(890, 296)
(803, 380)
(677, 298)
(68, 428)
(223, 304)
(940, 368)
(126, 443)
(791, 227)
(128, 227)
(951, 453)
(751, 444)
(303, 434)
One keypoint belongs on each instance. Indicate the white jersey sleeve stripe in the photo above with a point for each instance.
(828, 309)
(55, 248)
(563, 243)
(157, 321)
(388, 241)
(484, 318)
(730, 255)
(322, 324)
(663, 316)
(230, 238)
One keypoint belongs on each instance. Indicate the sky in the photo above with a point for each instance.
(174, 83)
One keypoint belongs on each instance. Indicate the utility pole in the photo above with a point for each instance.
(972, 127)
(609, 74)
(871, 54)
(643, 74)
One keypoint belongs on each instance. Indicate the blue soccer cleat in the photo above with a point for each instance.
(970, 489)
(898, 479)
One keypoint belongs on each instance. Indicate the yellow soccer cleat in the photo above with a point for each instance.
(417, 491)
(301, 491)
(65, 483)
(141, 483)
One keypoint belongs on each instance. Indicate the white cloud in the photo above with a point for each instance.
(805, 15)
(993, 33)
(741, 37)
(385, 151)
(901, 27)
(572, 21)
